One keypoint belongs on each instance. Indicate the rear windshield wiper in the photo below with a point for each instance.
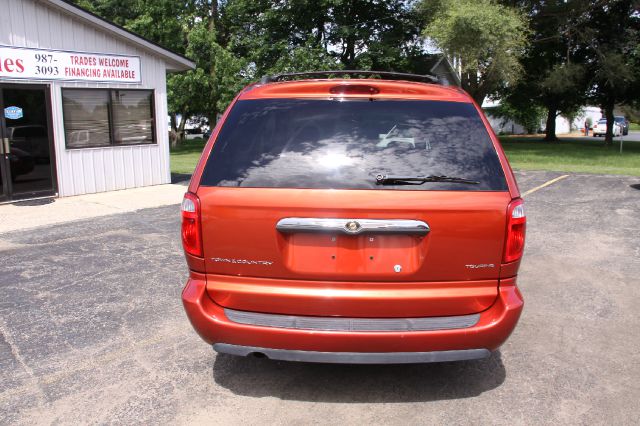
(419, 180)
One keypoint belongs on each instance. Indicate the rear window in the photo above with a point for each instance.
(299, 143)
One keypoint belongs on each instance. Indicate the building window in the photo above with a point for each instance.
(132, 116)
(104, 117)
(86, 118)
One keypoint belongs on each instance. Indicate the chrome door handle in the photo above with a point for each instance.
(352, 226)
(7, 147)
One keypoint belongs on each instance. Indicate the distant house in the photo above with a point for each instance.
(563, 125)
(438, 64)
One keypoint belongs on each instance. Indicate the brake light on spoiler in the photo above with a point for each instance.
(354, 89)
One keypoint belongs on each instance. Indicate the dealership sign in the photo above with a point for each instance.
(41, 64)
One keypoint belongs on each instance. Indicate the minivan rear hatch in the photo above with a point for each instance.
(356, 193)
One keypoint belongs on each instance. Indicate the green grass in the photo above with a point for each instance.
(634, 126)
(581, 155)
(185, 157)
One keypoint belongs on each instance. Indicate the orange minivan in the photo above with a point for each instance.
(353, 220)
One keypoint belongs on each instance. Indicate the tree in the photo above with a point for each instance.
(580, 51)
(218, 75)
(143, 18)
(183, 92)
(235, 41)
(554, 75)
(562, 91)
(309, 57)
(303, 35)
(485, 37)
(631, 112)
(610, 36)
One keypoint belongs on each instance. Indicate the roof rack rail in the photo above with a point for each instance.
(385, 74)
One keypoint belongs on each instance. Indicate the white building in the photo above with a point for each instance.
(83, 101)
(563, 125)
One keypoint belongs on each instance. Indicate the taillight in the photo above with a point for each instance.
(191, 232)
(516, 226)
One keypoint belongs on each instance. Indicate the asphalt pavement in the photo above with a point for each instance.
(633, 136)
(92, 331)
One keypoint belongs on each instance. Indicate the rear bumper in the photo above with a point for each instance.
(491, 330)
(354, 357)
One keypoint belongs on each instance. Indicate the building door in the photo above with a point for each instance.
(27, 163)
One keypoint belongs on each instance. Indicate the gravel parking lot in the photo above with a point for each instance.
(92, 331)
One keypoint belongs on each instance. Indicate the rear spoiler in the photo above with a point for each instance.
(388, 75)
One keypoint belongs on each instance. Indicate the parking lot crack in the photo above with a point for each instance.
(18, 357)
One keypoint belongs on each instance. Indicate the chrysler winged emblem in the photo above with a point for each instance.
(352, 226)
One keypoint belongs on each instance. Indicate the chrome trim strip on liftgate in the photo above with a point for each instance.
(351, 324)
(354, 357)
(352, 226)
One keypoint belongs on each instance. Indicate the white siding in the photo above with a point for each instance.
(504, 125)
(27, 23)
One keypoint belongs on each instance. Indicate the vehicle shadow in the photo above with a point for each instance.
(257, 377)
